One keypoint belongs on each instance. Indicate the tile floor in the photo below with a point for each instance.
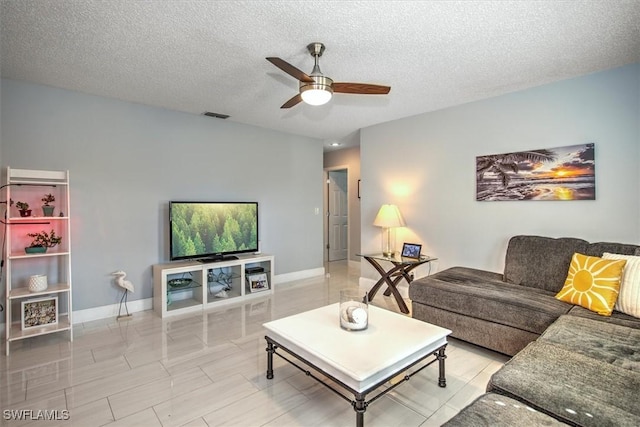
(209, 370)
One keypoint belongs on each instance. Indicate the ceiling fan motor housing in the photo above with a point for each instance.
(321, 83)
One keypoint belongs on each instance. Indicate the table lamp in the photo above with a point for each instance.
(389, 217)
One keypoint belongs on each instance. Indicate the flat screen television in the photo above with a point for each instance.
(212, 231)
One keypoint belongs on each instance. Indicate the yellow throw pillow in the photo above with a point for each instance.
(592, 283)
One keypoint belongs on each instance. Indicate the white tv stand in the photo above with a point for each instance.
(198, 286)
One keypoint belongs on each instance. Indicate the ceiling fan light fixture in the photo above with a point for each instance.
(313, 96)
(318, 92)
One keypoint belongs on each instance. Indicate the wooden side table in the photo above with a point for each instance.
(401, 267)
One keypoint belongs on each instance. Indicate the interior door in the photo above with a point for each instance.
(338, 215)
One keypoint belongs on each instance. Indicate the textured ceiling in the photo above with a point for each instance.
(197, 56)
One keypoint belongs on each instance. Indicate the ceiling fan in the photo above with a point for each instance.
(317, 89)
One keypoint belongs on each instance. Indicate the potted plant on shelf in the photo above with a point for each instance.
(23, 208)
(41, 241)
(47, 209)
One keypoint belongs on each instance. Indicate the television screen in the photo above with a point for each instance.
(212, 229)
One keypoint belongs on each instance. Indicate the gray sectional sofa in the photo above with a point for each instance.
(570, 366)
(581, 371)
(505, 312)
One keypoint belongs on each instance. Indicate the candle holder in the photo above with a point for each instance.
(38, 283)
(354, 310)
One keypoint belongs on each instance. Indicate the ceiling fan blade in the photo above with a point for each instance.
(293, 101)
(290, 69)
(360, 88)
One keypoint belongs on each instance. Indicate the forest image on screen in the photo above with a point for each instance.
(213, 228)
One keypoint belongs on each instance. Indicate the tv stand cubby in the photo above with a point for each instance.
(192, 286)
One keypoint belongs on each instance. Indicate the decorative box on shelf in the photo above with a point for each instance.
(39, 312)
(258, 282)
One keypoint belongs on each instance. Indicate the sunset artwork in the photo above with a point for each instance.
(563, 173)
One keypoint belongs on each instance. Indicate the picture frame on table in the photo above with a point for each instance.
(258, 282)
(39, 312)
(411, 250)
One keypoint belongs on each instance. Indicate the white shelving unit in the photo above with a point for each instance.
(30, 186)
(206, 285)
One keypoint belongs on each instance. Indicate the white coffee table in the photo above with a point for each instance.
(359, 361)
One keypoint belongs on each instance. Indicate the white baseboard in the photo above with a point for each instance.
(107, 311)
(298, 275)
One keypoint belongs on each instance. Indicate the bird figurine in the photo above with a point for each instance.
(127, 286)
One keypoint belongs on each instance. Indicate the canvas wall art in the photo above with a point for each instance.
(563, 173)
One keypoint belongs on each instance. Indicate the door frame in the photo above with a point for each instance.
(325, 221)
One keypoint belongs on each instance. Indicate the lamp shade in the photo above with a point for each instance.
(389, 216)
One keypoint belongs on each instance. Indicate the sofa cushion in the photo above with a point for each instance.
(484, 295)
(593, 283)
(610, 343)
(572, 387)
(495, 410)
(599, 248)
(629, 297)
(617, 318)
(540, 262)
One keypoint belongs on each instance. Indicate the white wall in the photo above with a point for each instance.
(426, 165)
(127, 161)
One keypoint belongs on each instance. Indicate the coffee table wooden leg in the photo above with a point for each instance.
(270, 351)
(442, 381)
(360, 406)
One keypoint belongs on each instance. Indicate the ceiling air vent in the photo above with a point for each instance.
(216, 115)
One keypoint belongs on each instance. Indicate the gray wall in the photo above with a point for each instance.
(127, 161)
(426, 165)
(348, 158)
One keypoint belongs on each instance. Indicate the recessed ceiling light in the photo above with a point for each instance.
(335, 144)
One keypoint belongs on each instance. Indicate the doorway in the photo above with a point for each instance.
(337, 215)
